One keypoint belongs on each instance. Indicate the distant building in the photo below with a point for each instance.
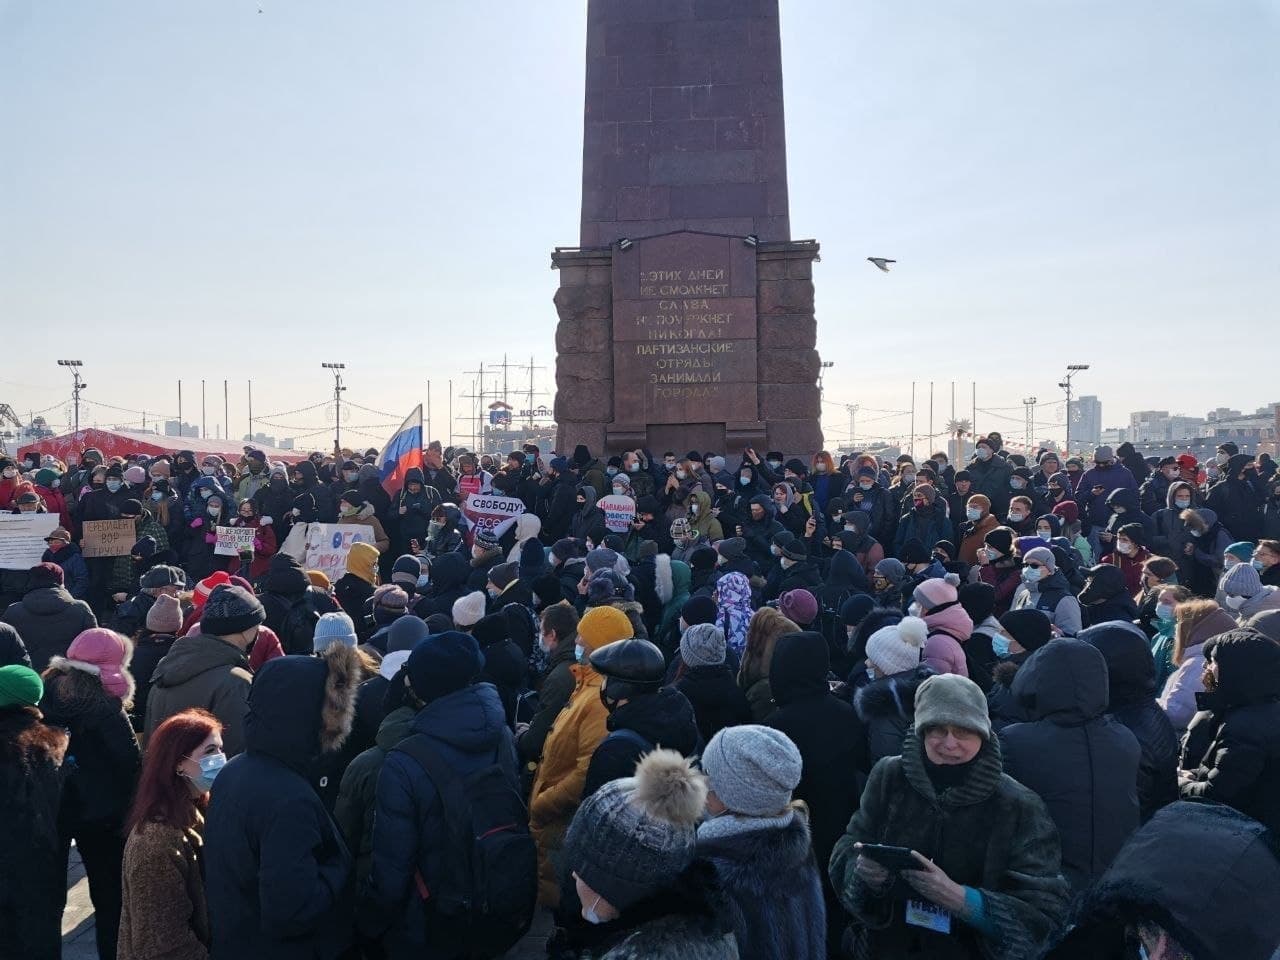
(285, 444)
(1111, 437)
(177, 428)
(1158, 426)
(1086, 422)
(260, 439)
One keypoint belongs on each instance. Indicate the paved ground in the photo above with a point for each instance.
(77, 923)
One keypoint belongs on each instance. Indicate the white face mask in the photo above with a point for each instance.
(973, 513)
(681, 475)
(1017, 517)
(865, 484)
(1182, 503)
(589, 913)
(1235, 603)
(1125, 548)
(1045, 535)
(982, 453)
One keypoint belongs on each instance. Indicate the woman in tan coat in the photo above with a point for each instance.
(164, 912)
(766, 626)
(353, 508)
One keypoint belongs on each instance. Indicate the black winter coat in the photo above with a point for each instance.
(1131, 675)
(48, 619)
(1232, 750)
(147, 652)
(33, 880)
(887, 706)
(663, 720)
(1083, 764)
(449, 574)
(990, 833)
(277, 869)
(718, 701)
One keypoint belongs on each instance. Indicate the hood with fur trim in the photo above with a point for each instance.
(893, 696)
(300, 707)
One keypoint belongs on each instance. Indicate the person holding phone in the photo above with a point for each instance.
(984, 876)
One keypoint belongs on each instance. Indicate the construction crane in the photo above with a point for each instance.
(8, 416)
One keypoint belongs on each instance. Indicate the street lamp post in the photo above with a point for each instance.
(76, 385)
(1072, 370)
(337, 369)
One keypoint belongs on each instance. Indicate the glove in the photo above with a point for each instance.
(210, 538)
(197, 523)
(264, 521)
(257, 545)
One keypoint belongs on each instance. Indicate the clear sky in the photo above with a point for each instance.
(205, 190)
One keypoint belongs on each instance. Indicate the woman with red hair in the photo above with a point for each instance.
(164, 912)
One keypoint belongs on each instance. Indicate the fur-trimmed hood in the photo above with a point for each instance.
(662, 582)
(756, 855)
(893, 696)
(300, 707)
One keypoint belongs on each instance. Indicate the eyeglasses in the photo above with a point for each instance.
(1035, 566)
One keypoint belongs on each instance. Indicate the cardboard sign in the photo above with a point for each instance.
(108, 538)
(232, 540)
(22, 538)
(619, 512)
(491, 511)
(329, 543)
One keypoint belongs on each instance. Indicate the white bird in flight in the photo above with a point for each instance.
(882, 263)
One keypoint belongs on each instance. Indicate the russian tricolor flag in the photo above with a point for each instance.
(402, 452)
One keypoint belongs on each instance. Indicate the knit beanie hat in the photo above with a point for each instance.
(1241, 581)
(486, 539)
(162, 575)
(1001, 538)
(405, 571)
(145, 548)
(206, 587)
(854, 610)
(402, 636)
(634, 836)
(318, 578)
(229, 610)
(106, 654)
(1041, 555)
(1068, 510)
(914, 551)
(1031, 628)
(390, 598)
(752, 769)
(165, 615)
(443, 663)
(950, 700)
(601, 626)
(703, 558)
(333, 628)
(567, 548)
(799, 606)
(698, 609)
(892, 570)
(20, 686)
(702, 645)
(468, 609)
(601, 558)
(978, 600)
(47, 574)
(897, 647)
(795, 550)
(731, 548)
(503, 574)
(934, 593)
(1241, 550)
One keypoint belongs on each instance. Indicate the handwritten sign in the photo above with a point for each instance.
(108, 538)
(22, 538)
(485, 510)
(233, 540)
(619, 512)
(329, 543)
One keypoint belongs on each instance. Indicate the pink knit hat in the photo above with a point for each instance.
(105, 654)
(934, 593)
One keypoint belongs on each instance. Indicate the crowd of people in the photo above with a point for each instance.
(1021, 707)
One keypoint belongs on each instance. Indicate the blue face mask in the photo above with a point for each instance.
(1032, 574)
(579, 653)
(1000, 646)
(423, 582)
(157, 495)
(114, 485)
(744, 481)
(1257, 565)
(210, 766)
(206, 493)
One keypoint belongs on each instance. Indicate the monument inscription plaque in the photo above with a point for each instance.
(686, 315)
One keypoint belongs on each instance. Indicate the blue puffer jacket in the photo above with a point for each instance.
(469, 731)
(277, 870)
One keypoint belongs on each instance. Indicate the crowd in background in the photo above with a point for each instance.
(796, 708)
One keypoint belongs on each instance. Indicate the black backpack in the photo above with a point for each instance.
(299, 629)
(483, 902)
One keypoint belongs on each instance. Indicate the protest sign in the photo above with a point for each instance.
(619, 512)
(329, 543)
(108, 538)
(22, 538)
(232, 540)
(485, 510)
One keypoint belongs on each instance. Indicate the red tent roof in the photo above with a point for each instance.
(121, 443)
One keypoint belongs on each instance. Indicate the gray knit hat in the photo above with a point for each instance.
(1041, 555)
(165, 615)
(702, 645)
(952, 700)
(231, 609)
(601, 558)
(752, 769)
(486, 539)
(1242, 580)
(892, 569)
(635, 835)
(333, 628)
